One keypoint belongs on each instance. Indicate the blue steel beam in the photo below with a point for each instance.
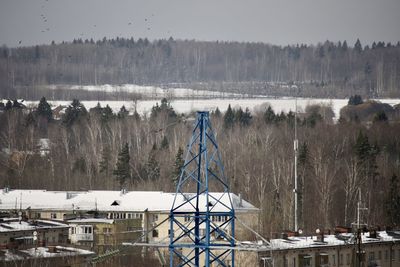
(199, 235)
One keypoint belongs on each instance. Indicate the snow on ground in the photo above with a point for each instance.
(189, 105)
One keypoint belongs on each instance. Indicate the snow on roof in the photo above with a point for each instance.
(92, 220)
(301, 242)
(10, 225)
(134, 201)
(43, 252)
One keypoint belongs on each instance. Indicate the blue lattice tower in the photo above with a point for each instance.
(202, 224)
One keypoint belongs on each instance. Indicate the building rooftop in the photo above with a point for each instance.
(304, 242)
(12, 224)
(92, 220)
(134, 201)
(42, 252)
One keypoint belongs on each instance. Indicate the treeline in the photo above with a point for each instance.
(326, 70)
(98, 149)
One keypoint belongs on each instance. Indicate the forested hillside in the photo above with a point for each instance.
(323, 70)
(97, 149)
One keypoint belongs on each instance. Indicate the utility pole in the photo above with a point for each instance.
(296, 148)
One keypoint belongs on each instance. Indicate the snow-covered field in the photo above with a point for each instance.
(147, 91)
(186, 100)
(254, 104)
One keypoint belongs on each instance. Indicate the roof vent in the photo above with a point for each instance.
(116, 203)
(373, 234)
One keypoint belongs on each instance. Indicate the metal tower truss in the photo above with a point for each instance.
(202, 223)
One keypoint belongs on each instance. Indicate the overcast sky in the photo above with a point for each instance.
(29, 22)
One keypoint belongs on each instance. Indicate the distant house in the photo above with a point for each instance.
(43, 147)
(59, 111)
(15, 233)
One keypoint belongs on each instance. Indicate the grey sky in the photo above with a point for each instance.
(272, 21)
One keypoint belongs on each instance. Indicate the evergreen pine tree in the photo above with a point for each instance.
(269, 116)
(152, 167)
(358, 46)
(107, 114)
(380, 116)
(229, 117)
(97, 109)
(303, 153)
(217, 113)
(362, 146)
(239, 115)
(74, 112)
(355, 100)
(246, 117)
(44, 109)
(136, 116)
(122, 171)
(104, 165)
(164, 143)
(179, 162)
(123, 112)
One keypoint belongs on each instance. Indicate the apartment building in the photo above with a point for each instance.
(378, 248)
(151, 208)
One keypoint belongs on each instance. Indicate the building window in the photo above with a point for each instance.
(106, 230)
(333, 259)
(341, 259)
(155, 233)
(379, 255)
(187, 218)
(155, 217)
(87, 229)
(348, 259)
(53, 215)
(371, 256)
(386, 255)
(294, 262)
